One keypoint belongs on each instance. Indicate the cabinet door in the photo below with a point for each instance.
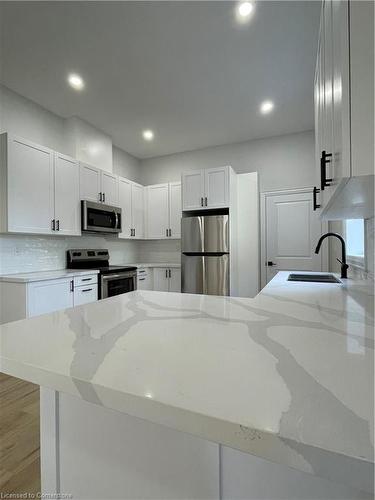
(30, 187)
(138, 210)
(85, 294)
(67, 202)
(89, 183)
(161, 279)
(109, 188)
(125, 203)
(175, 279)
(216, 181)
(192, 190)
(175, 210)
(341, 123)
(48, 296)
(157, 211)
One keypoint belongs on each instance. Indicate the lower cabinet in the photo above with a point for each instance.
(167, 279)
(25, 300)
(144, 279)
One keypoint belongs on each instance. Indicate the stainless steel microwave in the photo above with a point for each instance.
(100, 218)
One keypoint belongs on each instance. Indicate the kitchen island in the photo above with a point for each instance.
(166, 395)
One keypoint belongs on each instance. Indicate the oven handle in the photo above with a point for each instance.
(115, 276)
(116, 220)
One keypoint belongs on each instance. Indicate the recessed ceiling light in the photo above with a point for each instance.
(266, 107)
(244, 9)
(76, 81)
(148, 135)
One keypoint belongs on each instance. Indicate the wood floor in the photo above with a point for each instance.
(19, 436)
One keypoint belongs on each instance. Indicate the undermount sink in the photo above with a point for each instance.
(319, 278)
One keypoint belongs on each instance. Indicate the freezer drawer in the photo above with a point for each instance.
(204, 234)
(205, 274)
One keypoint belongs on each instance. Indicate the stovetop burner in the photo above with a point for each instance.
(93, 259)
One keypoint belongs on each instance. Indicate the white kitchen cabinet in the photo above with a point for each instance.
(163, 211)
(174, 279)
(67, 199)
(145, 279)
(48, 296)
(206, 189)
(90, 183)
(98, 186)
(131, 203)
(193, 190)
(138, 212)
(167, 279)
(27, 186)
(344, 100)
(85, 294)
(39, 189)
(109, 188)
(175, 210)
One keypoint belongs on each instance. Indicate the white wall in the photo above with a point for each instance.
(282, 162)
(126, 165)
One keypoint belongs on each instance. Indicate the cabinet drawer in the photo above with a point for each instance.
(85, 294)
(85, 280)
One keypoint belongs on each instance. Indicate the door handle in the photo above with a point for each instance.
(170, 273)
(324, 159)
(202, 204)
(166, 232)
(270, 263)
(170, 232)
(100, 197)
(103, 197)
(72, 286)
(205, 201)
(86, 279)
(53, 225)
(315, 204)
(58, 225)
(166, 273)
(87, 290)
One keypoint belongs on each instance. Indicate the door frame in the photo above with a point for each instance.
(263, 230)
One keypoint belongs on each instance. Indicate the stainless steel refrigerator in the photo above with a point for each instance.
(205, 254)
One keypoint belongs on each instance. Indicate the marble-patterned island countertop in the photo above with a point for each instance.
(45, 275)
(287, 376)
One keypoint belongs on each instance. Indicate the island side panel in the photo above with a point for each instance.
(244, 476)
(106, 454)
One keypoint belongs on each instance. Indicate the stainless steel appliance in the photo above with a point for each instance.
(100, 218)
(112, 280)
(205, 255)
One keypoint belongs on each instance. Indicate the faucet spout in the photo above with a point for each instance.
(344, 265)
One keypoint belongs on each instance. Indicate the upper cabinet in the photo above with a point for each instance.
(163, 211)
(39, 189)
(98, 185)
(344, 102)
(131, 203)
(206, 189)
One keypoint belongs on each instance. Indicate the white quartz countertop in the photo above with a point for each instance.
(287, 376)
(45, 275)
(155, 264)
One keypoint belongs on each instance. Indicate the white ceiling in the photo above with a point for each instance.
(186, 70)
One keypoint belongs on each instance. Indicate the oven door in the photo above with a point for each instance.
(116, 284)
(97, 217)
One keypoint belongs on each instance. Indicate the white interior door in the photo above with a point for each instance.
(216, 181)
(125, 203)
(161, 279)
(30, 187)
(138, 210)
(67, 202)
(157, 211)
(192, 190)
(89, 181)
(175, 209)
(109, 188)
(291, 230)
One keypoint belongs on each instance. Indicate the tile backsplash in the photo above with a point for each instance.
(19, 253)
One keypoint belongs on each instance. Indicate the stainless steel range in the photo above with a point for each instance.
(113, 280)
